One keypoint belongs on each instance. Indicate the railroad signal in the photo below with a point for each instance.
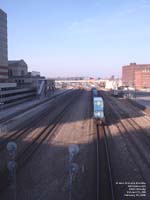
(12, 148)
(73, 150)
(73, 167)
(11, 165)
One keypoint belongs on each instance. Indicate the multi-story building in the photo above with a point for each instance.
(3, 46)
(17, 68)
(35, 73)
(142, 79)
(136, 75)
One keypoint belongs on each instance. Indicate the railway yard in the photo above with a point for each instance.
(64, 153)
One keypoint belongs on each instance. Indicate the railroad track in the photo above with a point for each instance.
(136, 110)
(142, 109)
(132, 123)
(5, 119)
(26, 153)
(30, 125)
(105, 189)
(123, 126)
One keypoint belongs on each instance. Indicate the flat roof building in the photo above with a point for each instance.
(17, 68)
(136, 75)
(3, 46)
(142, 79)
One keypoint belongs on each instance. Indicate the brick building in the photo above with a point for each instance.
(136, 75)
(3, 46)
(142, 79)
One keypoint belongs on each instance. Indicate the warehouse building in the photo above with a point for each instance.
(3, 47)
(136, 75)
(142, 79)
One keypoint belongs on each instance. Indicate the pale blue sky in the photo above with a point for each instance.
(78, 37)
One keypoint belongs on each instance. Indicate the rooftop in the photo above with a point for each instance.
(16, 62)
(2, 12)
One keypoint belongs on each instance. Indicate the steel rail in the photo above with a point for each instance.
(102, 135)
(30, 149)
(130, 138)
(44, 134)
(109, 165)
(15, 135)
(131, 121)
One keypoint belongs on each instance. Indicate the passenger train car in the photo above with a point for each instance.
(98, 107)
(95, 92)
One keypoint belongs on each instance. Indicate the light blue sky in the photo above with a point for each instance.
(78, 37)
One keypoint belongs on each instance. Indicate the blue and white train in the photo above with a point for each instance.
(98, 107)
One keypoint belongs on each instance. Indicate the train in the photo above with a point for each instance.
(98, 107)
(94, 92)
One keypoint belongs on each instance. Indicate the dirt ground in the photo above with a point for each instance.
(46, 175)
(129, 146)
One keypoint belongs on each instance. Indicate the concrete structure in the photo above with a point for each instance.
(18, 72)
(51, 84)
(21, 85)
(17, 68)
(135, 75)
(34, 73)
(17, 94)
(4, 86)
(113, 84)
(27, 80)
(109, 84)
(3, 47)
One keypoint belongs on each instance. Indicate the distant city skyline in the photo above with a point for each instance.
(79, 37)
